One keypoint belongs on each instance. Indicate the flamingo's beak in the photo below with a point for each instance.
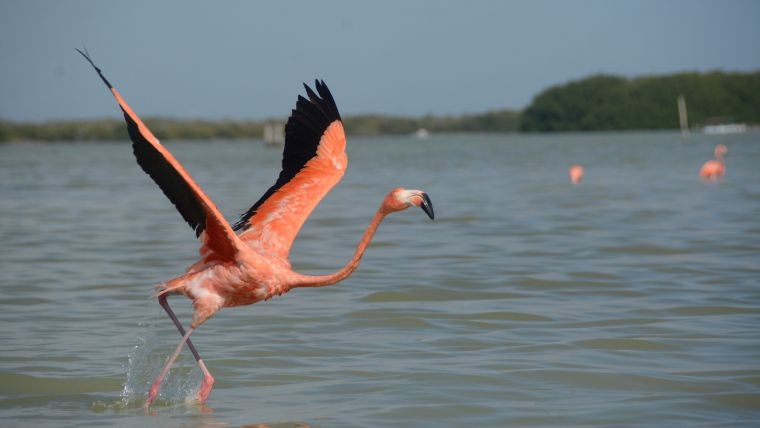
(427, 206)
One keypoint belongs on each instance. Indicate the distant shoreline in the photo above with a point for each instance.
(596, 103)
(410, 137)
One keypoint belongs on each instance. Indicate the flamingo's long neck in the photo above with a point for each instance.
(345, 271)
(719, 156)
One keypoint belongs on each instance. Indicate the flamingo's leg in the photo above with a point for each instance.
(162, 300)
(208, 380)
(156, 385)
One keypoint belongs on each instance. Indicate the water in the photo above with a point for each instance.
(632, 299)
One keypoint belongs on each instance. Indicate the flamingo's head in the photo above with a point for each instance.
(400, 199)
(721, 150)
(576, 174)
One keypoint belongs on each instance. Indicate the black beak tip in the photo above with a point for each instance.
(427, 206)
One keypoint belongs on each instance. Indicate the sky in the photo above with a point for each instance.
(247, 59)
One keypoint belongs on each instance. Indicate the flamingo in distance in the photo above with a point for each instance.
(714, 168)
(576, 174)
(247, 262)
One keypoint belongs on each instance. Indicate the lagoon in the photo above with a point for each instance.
(632, 299)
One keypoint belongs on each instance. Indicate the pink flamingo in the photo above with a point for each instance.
(576, 174)
(714, 168)
(248, 262)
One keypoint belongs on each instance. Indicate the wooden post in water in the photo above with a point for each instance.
(682, 117)
(274, 134)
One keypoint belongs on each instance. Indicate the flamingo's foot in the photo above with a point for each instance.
(152, 394)
(206, 386)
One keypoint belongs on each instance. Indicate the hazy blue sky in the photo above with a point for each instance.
(247, 59)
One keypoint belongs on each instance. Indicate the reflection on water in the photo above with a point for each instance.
(629, 299)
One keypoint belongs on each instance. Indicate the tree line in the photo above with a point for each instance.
(606, 102)
(599, 102)
(174, 129)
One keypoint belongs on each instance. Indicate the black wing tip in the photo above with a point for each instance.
(322, 88)
(308, 120)
(167, 178)
(324, 101)
(86, 56)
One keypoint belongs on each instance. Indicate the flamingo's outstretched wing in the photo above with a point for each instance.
(219, 241)
(313, 161)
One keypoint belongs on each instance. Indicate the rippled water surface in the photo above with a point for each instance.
(631, 299)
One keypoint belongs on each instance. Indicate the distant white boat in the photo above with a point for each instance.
(422, 133)
(728, 128)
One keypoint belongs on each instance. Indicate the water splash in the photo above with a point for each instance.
(144, 363)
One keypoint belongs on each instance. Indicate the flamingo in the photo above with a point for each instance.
(248, 262)
(576, 174)
(714, 168)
